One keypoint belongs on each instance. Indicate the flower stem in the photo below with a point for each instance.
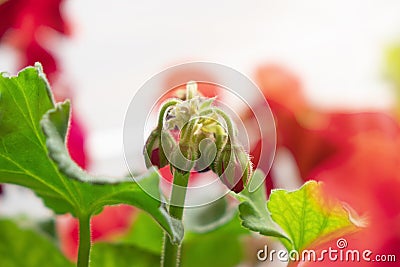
(84, 241)
(164, 108)
(171, 252)
(232, 132)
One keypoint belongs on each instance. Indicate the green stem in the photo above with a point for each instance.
(84, 241)
(165, 106)
(171, 252)
(232, 132)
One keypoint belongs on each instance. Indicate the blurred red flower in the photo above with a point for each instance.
(26, 24)
(354, 153)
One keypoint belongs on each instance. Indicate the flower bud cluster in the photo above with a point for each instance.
(193, 134)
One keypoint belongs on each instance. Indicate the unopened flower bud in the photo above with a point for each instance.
(154, 150)
(234, 167)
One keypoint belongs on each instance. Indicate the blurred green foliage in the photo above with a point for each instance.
(21, 247)
(220, 246)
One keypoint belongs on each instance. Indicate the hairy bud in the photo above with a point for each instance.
(156, 145)
(234, 167)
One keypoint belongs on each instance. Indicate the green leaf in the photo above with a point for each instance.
(26, 248)
(55, 127)
(122, 255)
(123, 190)
(308, 216)
(254, 213)
(25, 151)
